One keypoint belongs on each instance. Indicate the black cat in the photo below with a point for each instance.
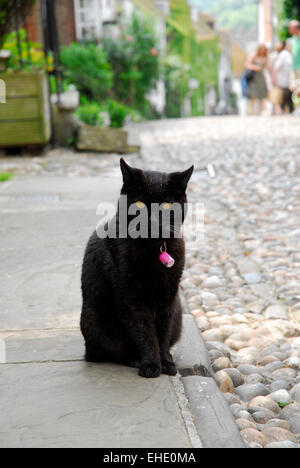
(131, 310)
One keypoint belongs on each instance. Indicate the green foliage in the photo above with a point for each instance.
(71, 143)
(32, 55)
(5, 176)
(287, 11)
(86, 66)
(126, 69)
(117, 113)
(8, 11)
(188, 59)
(176, 80)
(89, 113)
(65, 85)
(92, 113)
(135, 62)
(291, 9)
(283, 404)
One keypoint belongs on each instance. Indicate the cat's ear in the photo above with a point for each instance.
(130, 175)
(181, 179)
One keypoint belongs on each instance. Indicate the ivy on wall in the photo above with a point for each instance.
(287, 10)
(9, 9)
(192, 59)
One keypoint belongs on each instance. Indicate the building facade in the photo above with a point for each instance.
(79, 20)
(65, 17)
(267, 22)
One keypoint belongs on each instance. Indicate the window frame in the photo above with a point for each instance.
(80, 25)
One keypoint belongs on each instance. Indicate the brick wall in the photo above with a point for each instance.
(65, 17)
(34, 24)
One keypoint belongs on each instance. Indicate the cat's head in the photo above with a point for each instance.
(147, 189)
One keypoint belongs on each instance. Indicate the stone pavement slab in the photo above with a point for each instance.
(42, 245)
(76, 404)
(37, 346)
(53, 398)
(67, 344)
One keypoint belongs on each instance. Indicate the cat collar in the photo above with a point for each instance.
(165, 258)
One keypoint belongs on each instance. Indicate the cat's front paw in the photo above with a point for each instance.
(150, 370)
(169, 368)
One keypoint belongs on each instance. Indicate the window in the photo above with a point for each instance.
(88, 19)
(108, 10)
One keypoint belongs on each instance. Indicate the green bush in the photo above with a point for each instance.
(86, 67)
(117, 113)
(65, 85)
(287, 10)
(176, 75)
(8, 10)
(135, 62)
(89, 113)
(5, 176)
(92, 113)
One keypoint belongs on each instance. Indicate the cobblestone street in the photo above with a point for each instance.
(242, 282)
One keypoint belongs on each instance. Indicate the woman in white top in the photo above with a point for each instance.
(273, 74)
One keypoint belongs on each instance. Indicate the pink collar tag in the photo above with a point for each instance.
(165, 258)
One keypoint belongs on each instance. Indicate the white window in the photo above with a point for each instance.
(88, 15)
(108, 10)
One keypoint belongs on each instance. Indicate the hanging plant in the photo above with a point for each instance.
(31, 54)
(9, 11)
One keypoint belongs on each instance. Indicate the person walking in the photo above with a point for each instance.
(275, 93)
(257, 87)
(282, 77)
(294, 29)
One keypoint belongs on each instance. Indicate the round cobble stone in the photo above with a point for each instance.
(263, 415)
(295, 393)
(277, 434)
(236, 377)
(294, 423)
(249, 391)
(248, 369)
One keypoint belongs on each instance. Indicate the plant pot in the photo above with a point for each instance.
(4, 57)
(63, 116)
(25, 118)
(105, 140)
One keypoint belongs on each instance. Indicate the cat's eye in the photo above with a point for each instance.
(167, 206)
(140, 205)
